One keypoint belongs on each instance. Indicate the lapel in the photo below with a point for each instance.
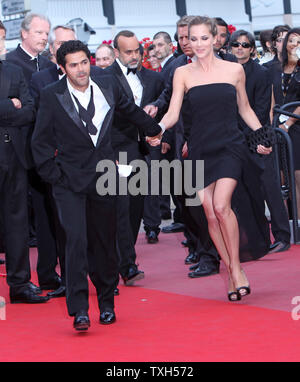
(64, 98)
(53, 73)
(122, 79)
(109, 96)
(141, 74)
(4, 81)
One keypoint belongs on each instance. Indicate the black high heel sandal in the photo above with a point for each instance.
(234, 296)
(245, 289)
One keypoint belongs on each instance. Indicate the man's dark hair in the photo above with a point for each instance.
(164, 35)
(69, 47)
(222, 23)
(241, 32)
(124, 33)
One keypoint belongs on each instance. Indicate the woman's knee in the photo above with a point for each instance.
(221, 210)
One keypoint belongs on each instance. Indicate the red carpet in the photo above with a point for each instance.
(167, 317)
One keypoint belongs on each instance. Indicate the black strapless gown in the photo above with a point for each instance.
(216, 139)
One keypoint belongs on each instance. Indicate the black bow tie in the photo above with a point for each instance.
(59, 72)
(133, 70)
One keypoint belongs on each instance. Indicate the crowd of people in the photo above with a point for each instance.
(206, 99)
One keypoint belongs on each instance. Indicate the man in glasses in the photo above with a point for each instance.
(258, 88)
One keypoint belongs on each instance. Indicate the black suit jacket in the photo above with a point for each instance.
(165, 72)
(13, 120)
(48, 76)
(259, 92)
(59, 127)
(21, 58)
(125, 132)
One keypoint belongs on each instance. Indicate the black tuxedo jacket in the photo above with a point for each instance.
(21, 58)
(259, 92)
(13, 120)
(165, 72)
(62, 148)
(125, 132)
(48, 76)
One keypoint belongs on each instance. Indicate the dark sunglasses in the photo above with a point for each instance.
(236, 44)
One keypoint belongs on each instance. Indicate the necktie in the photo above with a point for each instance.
(189, 61)
(159, 69)
(87, 115)
(36, 61)
(133, 70)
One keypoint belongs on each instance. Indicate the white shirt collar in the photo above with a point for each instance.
(29, 54)
(72, 90)
(165, 60)
(123, 67)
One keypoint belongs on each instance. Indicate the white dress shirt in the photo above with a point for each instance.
(101, 105)
(134, 84)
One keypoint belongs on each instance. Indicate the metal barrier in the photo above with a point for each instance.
(285, 164)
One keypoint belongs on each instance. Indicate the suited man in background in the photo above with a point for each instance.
(140, 86)
(74, 120)
(16, 112)
(259, 89)
(35, 29)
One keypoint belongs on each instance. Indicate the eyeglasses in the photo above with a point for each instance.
(236, 44)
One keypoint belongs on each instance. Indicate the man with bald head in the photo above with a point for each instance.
(105, 56)
(143, 86)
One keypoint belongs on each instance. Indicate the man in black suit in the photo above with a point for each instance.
(141, 86)
(259, 90)
(34, 34)
(72, 136)
(16, 112)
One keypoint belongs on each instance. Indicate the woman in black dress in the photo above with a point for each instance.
(286, 88)
(216, 92)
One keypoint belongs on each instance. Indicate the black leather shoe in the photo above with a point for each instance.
(152, 237)
(192, 258)
(174, 227)
(134, 274)
(184, 243)
(194, 266)
(26, 296)
(59, 292)
(34, 288)
(204, 270)
(116, 292)
(51, 285)
(107, 318)
(279, 246)
(81, 321)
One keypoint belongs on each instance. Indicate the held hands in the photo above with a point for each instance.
(154, 141)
